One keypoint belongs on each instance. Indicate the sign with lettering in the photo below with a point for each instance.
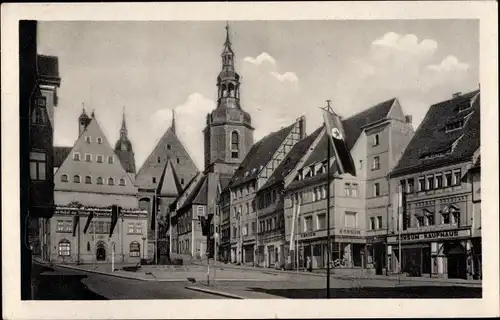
(333, 232)
(433, 235)
(352, 232)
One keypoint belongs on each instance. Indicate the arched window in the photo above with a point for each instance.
(99, 180)
(231, 90)
(122, 182)
(135, 249)
(111, 181)
(64, 248)
(76, 179)
(88, 179)
(64, 178)
(235, 144)
(224, 91)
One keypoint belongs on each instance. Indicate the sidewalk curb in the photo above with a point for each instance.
(217, 293)
(346, 277)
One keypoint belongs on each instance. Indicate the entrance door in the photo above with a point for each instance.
(378, 256)
(101, 252)
(457, 262)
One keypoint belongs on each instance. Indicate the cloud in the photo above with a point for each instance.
(287, 76)
(408, 44)
(449, 64)
(261, 58)
(190, 119)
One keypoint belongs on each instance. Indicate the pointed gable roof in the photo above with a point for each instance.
(169, 146)
(259, 155)
(353, 127)
(433, 145)
(60, 154)
(169, 185)
(82, 168)
(292, 159)
(198, 194)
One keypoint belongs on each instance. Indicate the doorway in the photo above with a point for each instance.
(457, 262)
(100, 254)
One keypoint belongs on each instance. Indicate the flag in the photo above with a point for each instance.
(76, 220)
(337, 136)
(87, 224)
(115, 212)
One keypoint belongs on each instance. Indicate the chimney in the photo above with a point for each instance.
(302, 127)
(408, 119)
(457, 94)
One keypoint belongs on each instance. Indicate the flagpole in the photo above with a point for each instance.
(156, 227)
(95, 248)
(399, 233)
(78, 221)
(328, 219)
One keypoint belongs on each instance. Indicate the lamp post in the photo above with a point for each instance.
(143, 246)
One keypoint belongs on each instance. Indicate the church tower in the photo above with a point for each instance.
(124, 151)
(229, 132)
(83, 122)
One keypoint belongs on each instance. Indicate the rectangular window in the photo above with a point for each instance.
(201, 211)
(76, 156)
(447, 179)
(379, 222)
(38, 165)
(410, 185)
(131, 228)
(372, 223)
(456, 177)
(429, 219)
(446, 217)
(110, 159)
(99, 158)
(64, 226)
(376, 140)
(88, 157)
(347, 189)
(321, 221)
(88, 139)
(308, 224)
(376, 163)
(420, 221)
(439, 181)
(314, 194)
(421, 184)
(323, 190)
(376, 189)
(430, 183)
(354, 190)
(247, 206)
(99, 140)
(253, 205)
(138, 227)
(350, 219)
(253, 227)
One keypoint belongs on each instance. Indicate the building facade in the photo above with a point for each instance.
(147, 181)
(89, 180)
(358, 205)
(440, 225)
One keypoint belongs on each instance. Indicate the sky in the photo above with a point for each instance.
(287, 68)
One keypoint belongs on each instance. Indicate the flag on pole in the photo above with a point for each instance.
(335, 132)
(87, 224)
(115, 212)
(76, 220)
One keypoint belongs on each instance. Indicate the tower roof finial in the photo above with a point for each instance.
(123, 130)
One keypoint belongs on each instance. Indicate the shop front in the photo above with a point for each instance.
(443, 254)
(348, 246)
(375, 254)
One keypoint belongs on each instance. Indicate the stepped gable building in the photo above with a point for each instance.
(359, 205)
(271, 243)
(88, 181)
(440, 234)
(255, 170)
(168, 149)
(124, 151)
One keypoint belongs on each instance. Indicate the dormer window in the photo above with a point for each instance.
(99, 140)
(455, 125)
(88, 139)
(466, 105)
(122, 182)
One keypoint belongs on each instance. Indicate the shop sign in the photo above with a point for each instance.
(431, 235)
(351, 232)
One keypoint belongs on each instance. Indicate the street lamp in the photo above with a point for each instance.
(143, 246)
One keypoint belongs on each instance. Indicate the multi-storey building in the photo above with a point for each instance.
(89, 180)
(271, 240)
(440, 232)
(359, 204)
(255, 170)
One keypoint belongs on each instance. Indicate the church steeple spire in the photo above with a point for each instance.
(123, 129)
(228, 80)
(173, 121)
